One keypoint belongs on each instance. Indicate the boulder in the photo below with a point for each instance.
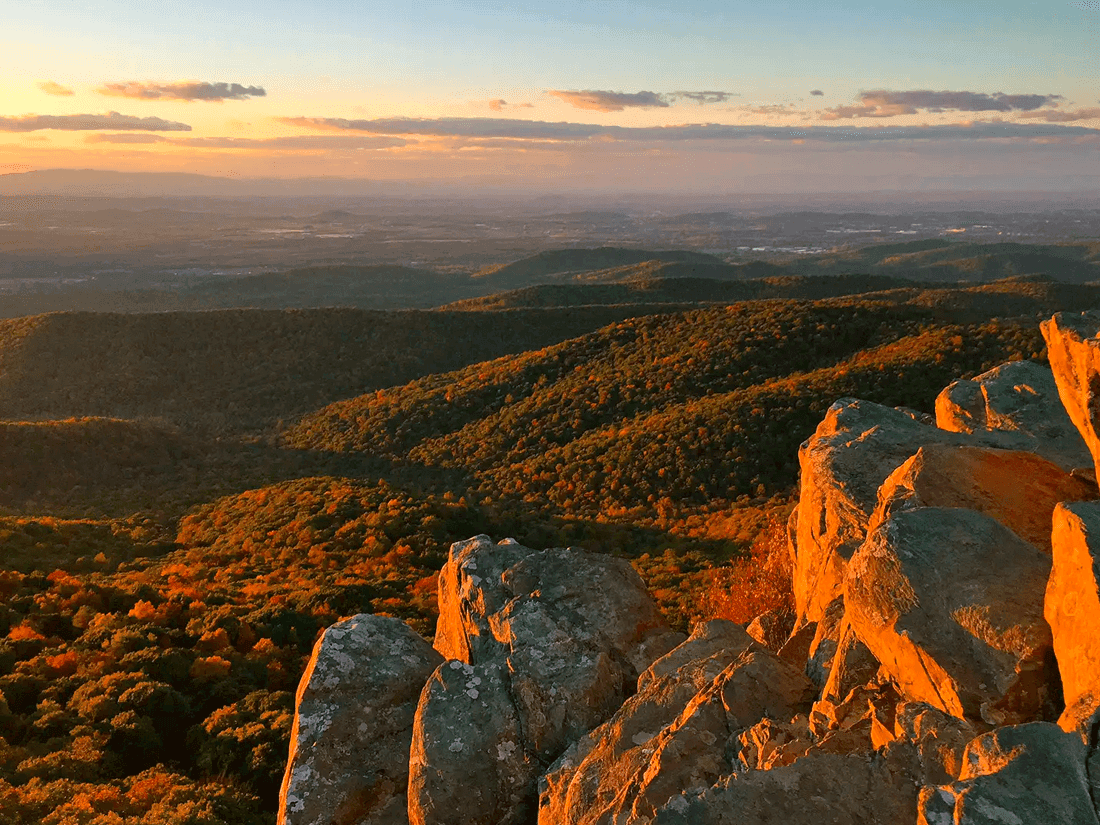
(951, 603)
(854, 449)
(353, 722)
(1020, 774)
(673, 733)
(558, 638)
(840, 789)
(852, 665)
(940, 739)
(1073, 608)
(1017, 403)
(468, 764)
(1074, 352)
(1018, 489)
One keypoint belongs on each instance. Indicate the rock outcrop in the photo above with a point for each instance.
(353, 723)
(1073, 609)
(1073, 347)
(844, 464)
(940, 626)
(1025, 774)
(951, 603)
(1016, 403)
(1018, 489)
(553, 643)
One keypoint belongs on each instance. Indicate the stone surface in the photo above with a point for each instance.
(673, 733)
(852, 665)
(940, 739)
(1018, 489)
(772, 629)
(353, 721)
(951, 603)
(563, 634)
(853, 789)
(1074, 352)
(1073, 608)
(1031, 773)
(1018, 402)
(854, 449)
(468, 765)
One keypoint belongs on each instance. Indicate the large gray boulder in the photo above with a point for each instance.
(951, 603)
(1034, 773)
(1073, 608)
(1073, 347)
(1017, 404)
(353, 722)
(558, 638)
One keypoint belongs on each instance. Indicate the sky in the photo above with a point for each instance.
(686, 96)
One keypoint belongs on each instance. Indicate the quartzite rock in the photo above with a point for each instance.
(1018, 403)
(940, 738)
(596, 778)
(855, 448)
(852, 665)
(1018, 489)
(853, 789)
(951, 603)
(1031, 773)
(349, 750)
(1074, 352)
(566, 633)
(1073, 608)
(468, 765)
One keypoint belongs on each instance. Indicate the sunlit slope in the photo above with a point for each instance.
(699, 407)
(241, 370)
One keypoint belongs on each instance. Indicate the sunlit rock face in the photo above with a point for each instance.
(1018, 402)
(544, 646)
(951, 603)
(349, 749)
(854, 449)
(1073, 609)
(1073, 347)
(1018, 489)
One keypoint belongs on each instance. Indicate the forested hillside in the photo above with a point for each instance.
(187, 499)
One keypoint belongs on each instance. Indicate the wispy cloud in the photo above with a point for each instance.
(488, 127)
(602, 101)
(56, 89)
(817, 93)
(111, 121)
(883, 103)
(605, 101)
(500, 104)
(1060, 116)
(189, 90)
(290, 143)
(701, 97)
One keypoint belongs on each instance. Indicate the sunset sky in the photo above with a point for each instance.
(643, 95)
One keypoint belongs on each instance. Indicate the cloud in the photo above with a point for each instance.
(298, 142)
(601, 101)
(817, 93)
(882, 103)
(604, 101)
(111, 121)
(701, 97)
(56, 89)
(500, 105)
(186, 90)
(1059, 116)
(488, 127)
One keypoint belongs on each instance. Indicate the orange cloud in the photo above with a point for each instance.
(56, 89)
(189, 90)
